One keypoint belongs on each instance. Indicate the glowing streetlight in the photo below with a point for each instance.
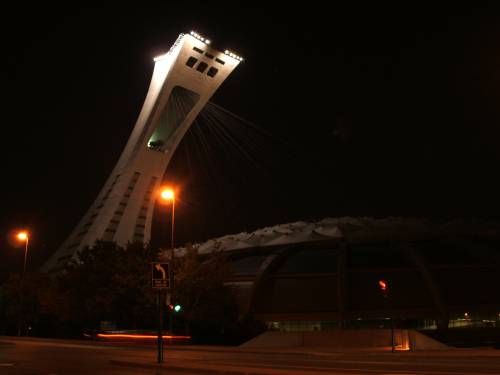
(168, 195)
(24, 236)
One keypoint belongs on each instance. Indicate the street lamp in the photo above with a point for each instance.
(168, 195)
(24, 236)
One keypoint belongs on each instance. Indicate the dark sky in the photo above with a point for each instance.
(379, 110)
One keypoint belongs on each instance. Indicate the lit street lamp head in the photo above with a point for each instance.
(22, 236)
(167, 194)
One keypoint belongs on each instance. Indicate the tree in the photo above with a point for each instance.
(110, 283)
(208, 305)
(23, 298)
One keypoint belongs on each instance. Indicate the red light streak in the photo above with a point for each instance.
(137, 336)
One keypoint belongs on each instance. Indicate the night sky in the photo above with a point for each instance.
(380, 110)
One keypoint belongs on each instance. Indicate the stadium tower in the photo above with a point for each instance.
(184, 79)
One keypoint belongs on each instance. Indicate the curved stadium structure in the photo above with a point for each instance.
(325, 274)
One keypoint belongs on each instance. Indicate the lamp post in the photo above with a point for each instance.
(168, 195)
(22, 236)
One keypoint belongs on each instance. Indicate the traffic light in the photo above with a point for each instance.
(384, 288)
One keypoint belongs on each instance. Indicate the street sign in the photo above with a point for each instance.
(160, 275)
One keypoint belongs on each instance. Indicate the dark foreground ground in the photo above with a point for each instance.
(58, 357)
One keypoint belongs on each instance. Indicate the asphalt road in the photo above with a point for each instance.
(61, 357)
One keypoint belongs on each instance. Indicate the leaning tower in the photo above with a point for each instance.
(183, 81)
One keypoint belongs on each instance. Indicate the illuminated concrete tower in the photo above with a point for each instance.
(183, 81)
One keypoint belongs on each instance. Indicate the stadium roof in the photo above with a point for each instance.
(350, 229)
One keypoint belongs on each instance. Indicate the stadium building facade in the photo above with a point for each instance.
(326, 274)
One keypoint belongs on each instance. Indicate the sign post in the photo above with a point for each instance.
(160, 280)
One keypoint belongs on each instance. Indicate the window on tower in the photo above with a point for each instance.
(202, 66)
(212, 71)
(191, 61)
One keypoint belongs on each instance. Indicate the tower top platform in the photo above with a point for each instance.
(207, 43)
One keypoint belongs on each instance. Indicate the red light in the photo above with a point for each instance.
(138, 336)
(382, 284)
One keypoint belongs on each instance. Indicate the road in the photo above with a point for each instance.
(60, 357)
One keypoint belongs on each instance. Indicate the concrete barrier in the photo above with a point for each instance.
(419, 341)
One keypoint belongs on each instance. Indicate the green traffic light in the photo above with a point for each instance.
(177, 308)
